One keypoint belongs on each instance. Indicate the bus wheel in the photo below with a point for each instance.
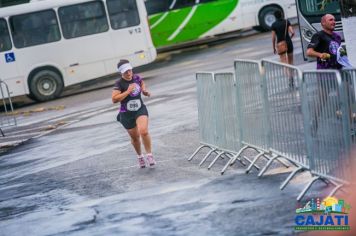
(45, 85)
(267, 18)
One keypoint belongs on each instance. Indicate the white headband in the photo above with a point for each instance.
(125, 67)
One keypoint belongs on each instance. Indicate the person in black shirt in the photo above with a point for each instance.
(282, 30)
(133, 113)
(324, 44)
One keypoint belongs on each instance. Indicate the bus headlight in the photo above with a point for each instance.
(307, 34)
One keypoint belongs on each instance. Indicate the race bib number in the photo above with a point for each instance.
(134, 105)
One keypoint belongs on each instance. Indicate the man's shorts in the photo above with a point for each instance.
(128, 118)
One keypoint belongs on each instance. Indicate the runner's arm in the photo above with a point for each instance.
(143, 89)
(118, 96)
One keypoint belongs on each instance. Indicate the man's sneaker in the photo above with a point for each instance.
(141, 162)
(150, 160)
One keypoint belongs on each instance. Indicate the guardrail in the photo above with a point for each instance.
(308, 119)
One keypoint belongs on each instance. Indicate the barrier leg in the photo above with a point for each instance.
(215, 159)
(284, 184)
(196, 151)
(232, 161)
(335, 189)
(241, 161)
(2, 133)
(206, 156)
(267, 165)
(253, 162)
(283, 163)
(238, 154)
(301, 195)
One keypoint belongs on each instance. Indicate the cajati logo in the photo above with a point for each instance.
(327, 214)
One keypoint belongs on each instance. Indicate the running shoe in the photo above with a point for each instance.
(141, 162)
(150, 160)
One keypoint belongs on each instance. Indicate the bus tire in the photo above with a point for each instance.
(45, 85)
(266, 17)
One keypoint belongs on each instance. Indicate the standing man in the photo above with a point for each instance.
(324, 45)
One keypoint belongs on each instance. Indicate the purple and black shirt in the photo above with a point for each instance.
(122, 85)
(326, 43)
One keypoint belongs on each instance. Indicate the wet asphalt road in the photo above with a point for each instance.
(81, 177)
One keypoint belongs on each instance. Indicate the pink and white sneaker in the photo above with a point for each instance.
(150, 160)
(141, 162)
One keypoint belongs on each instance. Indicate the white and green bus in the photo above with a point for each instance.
(180, 21)
(48, 45)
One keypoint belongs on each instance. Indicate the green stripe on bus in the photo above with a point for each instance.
(204, 19)
(168, 26)
(154, 18)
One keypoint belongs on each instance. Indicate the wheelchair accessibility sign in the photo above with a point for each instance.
(9, 57)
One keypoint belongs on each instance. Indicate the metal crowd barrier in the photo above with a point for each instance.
(217, 116)
(284, 112)
(251, 109)
(6, 117)
(306, 118)
(328, 132)
(227, 133)
(349, 79)
(206, 113)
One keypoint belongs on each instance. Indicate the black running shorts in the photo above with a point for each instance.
(128, 118)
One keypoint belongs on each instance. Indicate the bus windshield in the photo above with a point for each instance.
(319, 7)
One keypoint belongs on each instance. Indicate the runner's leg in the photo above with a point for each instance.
(142, 126)
(135, 140)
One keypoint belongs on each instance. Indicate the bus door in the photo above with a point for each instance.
(84, 25)
(8, 65)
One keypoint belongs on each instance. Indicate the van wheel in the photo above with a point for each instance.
(45, 85)
(267, 18)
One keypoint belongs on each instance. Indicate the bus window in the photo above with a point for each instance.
(5, 42)
(123, 13)
(83, 19)
(34, 28)
(205, 1)
(156, 6)
(184, 3)
(319, 7)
